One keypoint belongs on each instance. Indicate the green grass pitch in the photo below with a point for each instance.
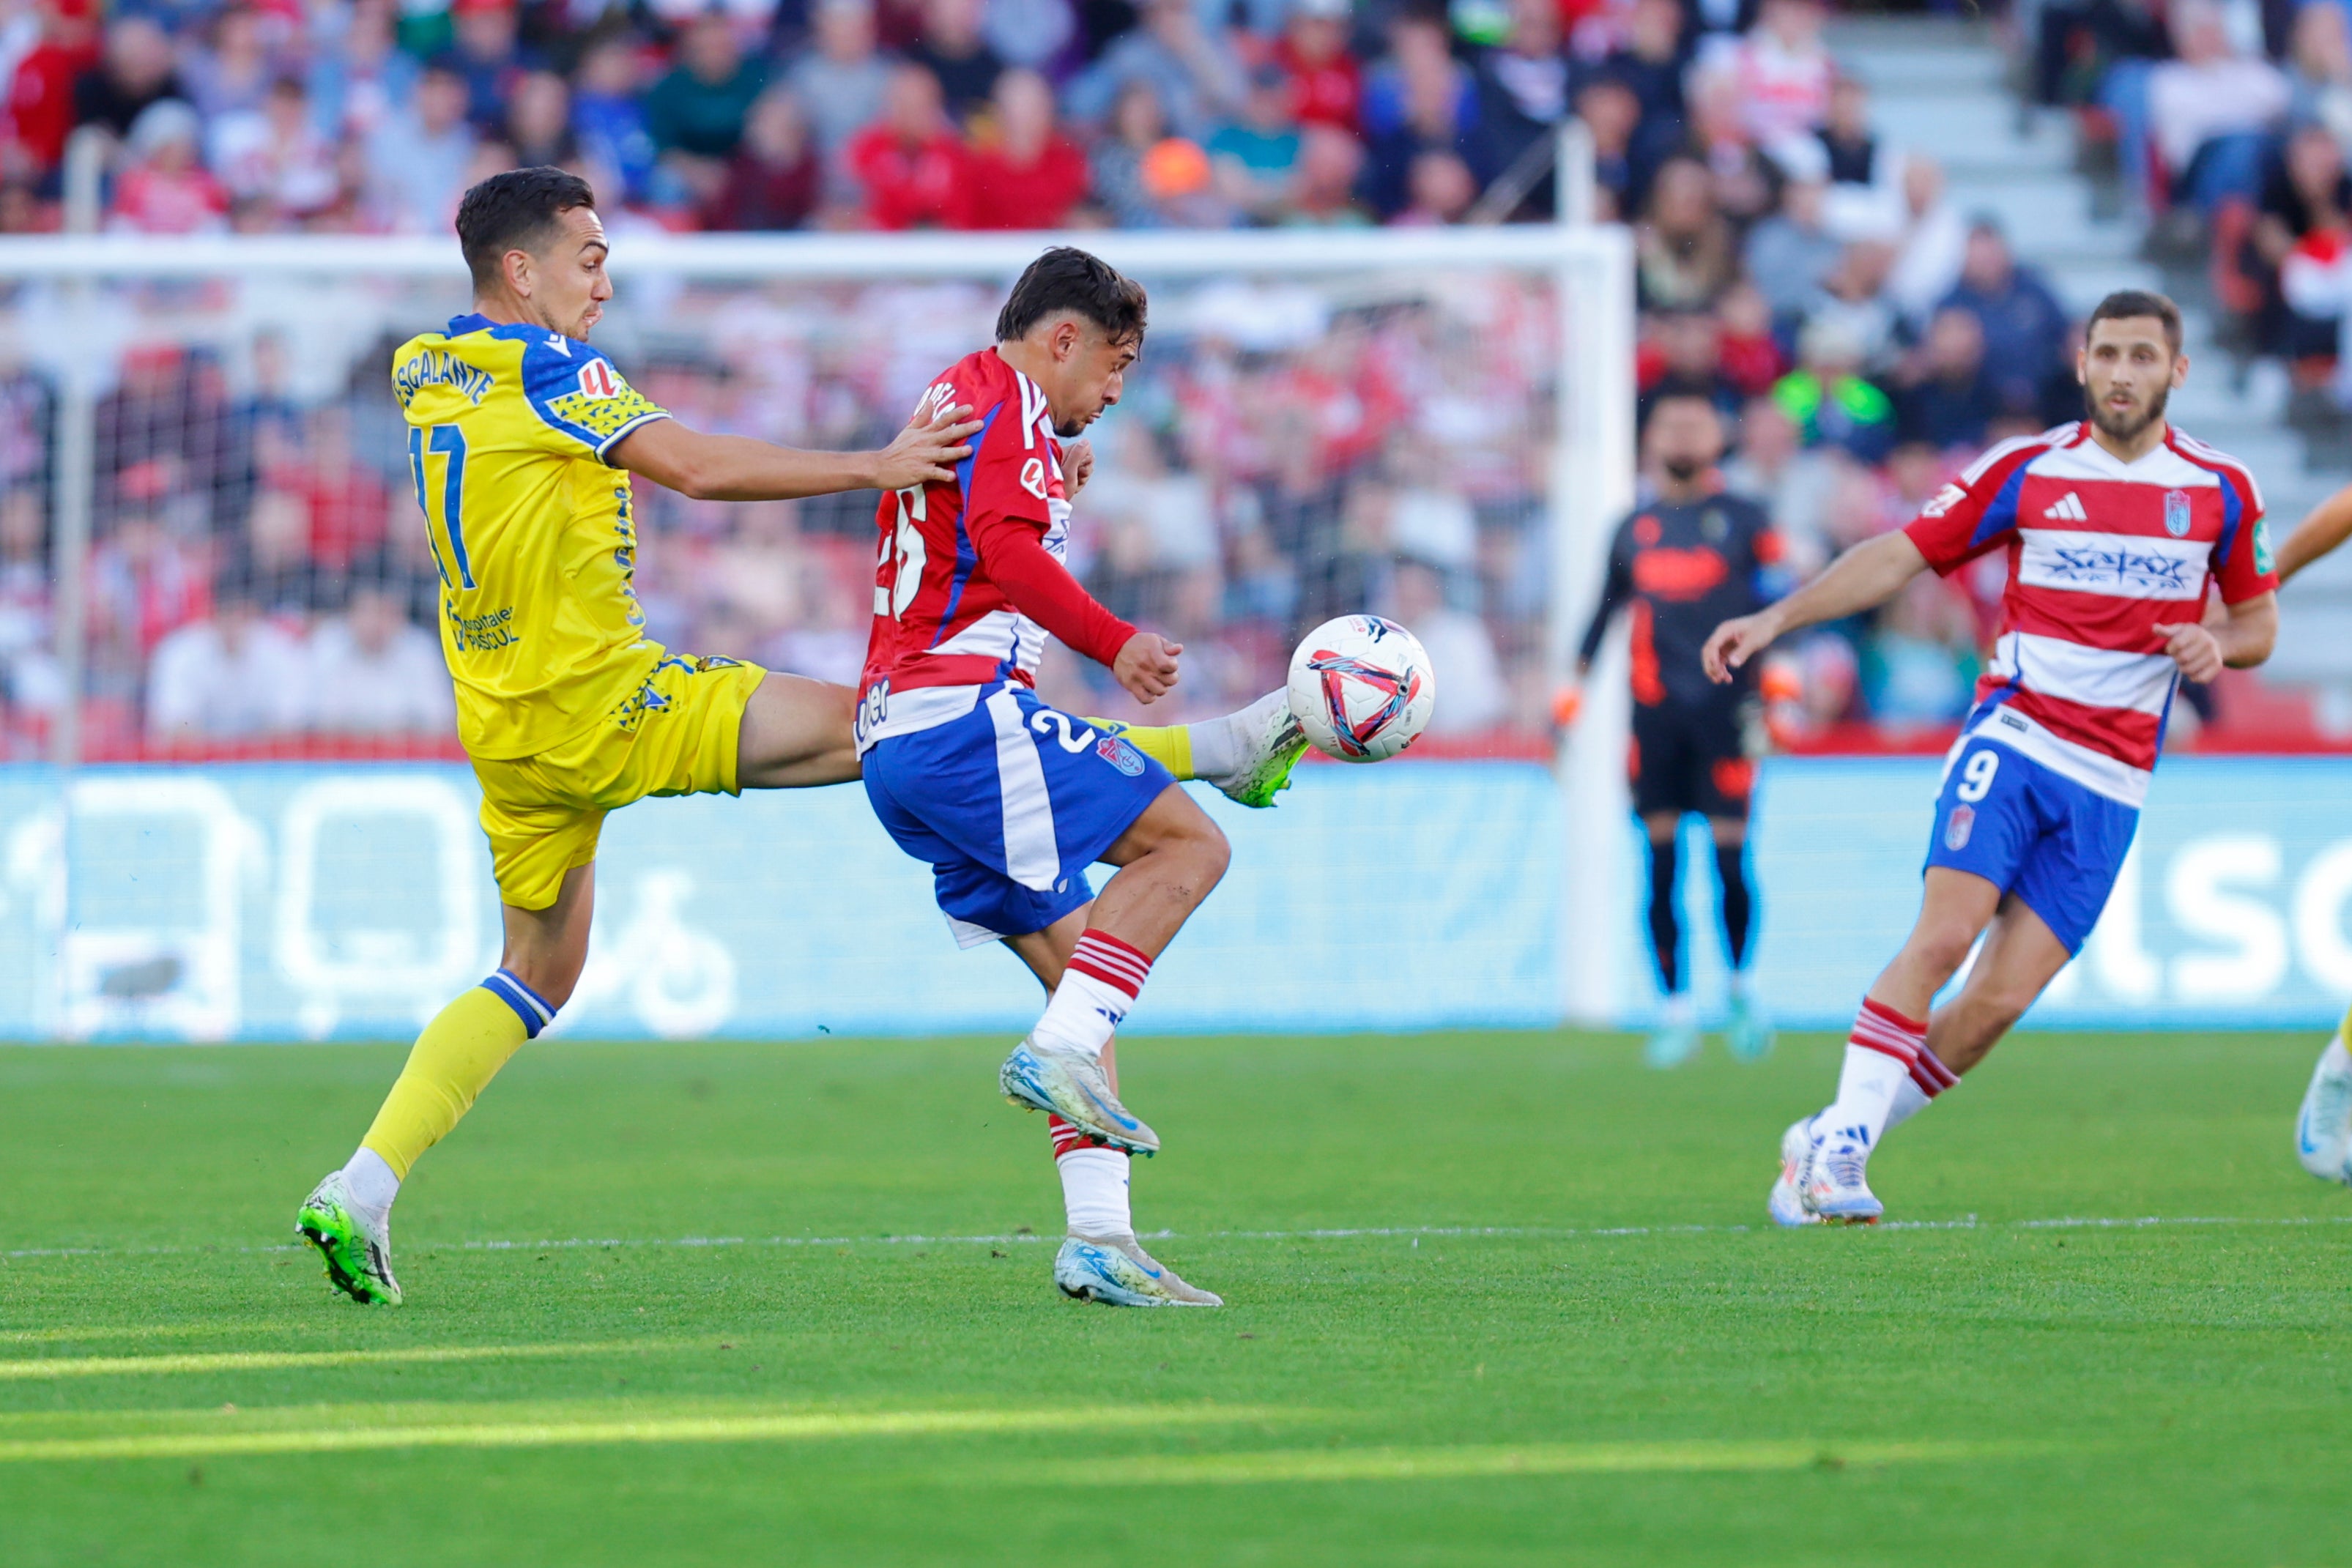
(1496, 1299)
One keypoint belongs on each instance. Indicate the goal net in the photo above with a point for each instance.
(211, 555)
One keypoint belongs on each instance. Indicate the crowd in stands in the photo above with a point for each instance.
(1862, 336)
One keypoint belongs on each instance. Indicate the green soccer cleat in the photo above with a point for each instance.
(358, 1254)
(1270, 743)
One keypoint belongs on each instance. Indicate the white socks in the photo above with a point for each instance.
(1680, 1009)
(1093, 1191)
(2335, 1061)
(372, 1185)
(1100, 984)
(1223, 747)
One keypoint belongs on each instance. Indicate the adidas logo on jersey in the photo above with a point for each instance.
(2069, 509)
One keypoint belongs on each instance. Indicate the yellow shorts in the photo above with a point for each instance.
(678, 737)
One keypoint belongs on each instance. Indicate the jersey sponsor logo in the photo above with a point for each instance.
(440, 368)
(2265, 562)
(1121, 755)
(2068, 509)
(1958, 826)
(597, 381)
(1943, 501)
(2118, 565)
(1033, 477)
(479, 633)
(1679, 574)
(2176, 513)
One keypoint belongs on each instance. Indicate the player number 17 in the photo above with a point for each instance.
(443, 440)
(898, 575)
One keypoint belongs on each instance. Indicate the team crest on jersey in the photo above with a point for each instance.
(1033, 477)
(597, 381)
(1120, 754)
(1943, 501)
(1958, 826)
(2176, 513)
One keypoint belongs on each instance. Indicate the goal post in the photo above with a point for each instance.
(1326, 421)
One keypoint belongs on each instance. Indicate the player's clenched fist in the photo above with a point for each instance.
(2197, 651)
(927, 451)
(1147, 667)
(1077, 467)
(1736, 641)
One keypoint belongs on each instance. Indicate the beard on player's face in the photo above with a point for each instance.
(2127, 424)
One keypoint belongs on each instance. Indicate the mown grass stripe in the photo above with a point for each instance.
(283, 1360)
(801, 1426)
(1510, 1459)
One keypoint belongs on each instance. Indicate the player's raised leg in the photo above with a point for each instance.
(1100, 1259)
(1247, 754)
(2323, 1132)
(348, 1217)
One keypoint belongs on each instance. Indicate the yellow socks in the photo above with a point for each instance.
(1170, 745)
(453, 1061)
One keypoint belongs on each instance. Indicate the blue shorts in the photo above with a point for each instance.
(1010, 803)
(2028, 830)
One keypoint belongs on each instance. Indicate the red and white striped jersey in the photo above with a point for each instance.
(954, 555)
(2101, 552)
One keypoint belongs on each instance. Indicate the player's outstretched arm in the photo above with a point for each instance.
(1869, 574)
(2238, 638)
(2327, 527)
(736, 468)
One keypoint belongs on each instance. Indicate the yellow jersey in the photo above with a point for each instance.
(509, 428)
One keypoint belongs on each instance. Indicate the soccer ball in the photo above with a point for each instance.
(1362, 688)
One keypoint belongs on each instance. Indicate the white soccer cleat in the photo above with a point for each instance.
(1071, 1084)
(1115, 1271)
(1787, 1204)
(1833, 1187)
(1270, 743)
(2323, 1132)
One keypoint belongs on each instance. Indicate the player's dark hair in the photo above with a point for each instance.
(515, 211)
(2131, 304)
(1069, 279)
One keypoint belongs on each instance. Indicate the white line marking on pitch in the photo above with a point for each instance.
(1466, 1232)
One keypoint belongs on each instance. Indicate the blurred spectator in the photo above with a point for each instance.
(137, 70)
(2210, 111)
(1327, 85)
(1420, 100)
(227, 676)
(1790, 253)
(1719, 137)
(1613, 115)
(2319, 69)
(1794, 484)
(1323, 194)
(1460, 651)
(2025, 329)
(696, 113)
(1866, 196)
(1037, 34)
(1780, 70)
(235, 72)
(953, 48)
(2305, 193)
(840, 83)
(909, 161)
(1854, 297)
(1828, 401)
(1196, 72)
(1948, 402)
(164, 188)
(1750, 352)
(774, 180)
(1919, 670)
(41, 91)
(1256, 156)
(1144, 178)
(370, 672)
(1689, 363)
(278, 156)
(1027, 175)
(358, 84)
(1650, 62)
(486, 51)
(538, 120)
(2079, 42)
(1522, 87)
(417, 158)
(609, 120)
(1441, 189)
(1933, 242)
(1682, 247)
